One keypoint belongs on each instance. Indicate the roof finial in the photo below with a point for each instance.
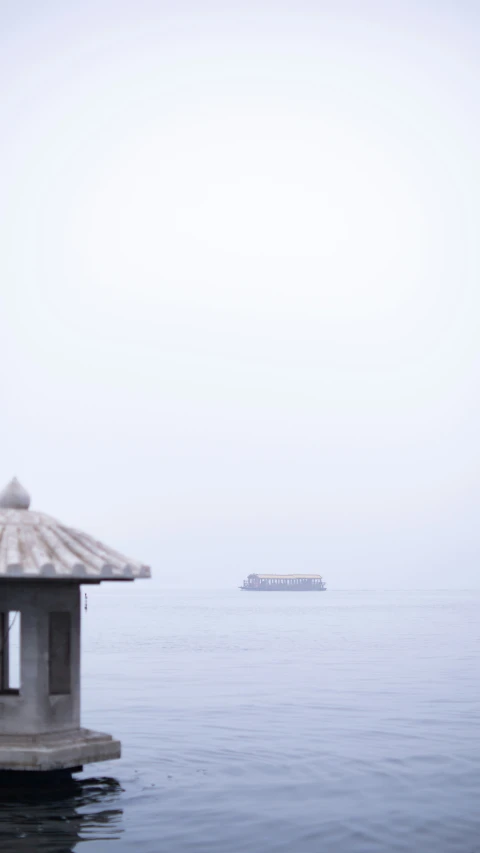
(14, 496)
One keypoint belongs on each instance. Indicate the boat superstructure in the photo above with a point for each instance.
(284, 583)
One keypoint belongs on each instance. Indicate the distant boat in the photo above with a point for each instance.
(284, 583)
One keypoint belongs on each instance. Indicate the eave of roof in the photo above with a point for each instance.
(36, 546)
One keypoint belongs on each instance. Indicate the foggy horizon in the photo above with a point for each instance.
(239, 300)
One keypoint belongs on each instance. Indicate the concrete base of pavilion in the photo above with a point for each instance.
(62, 751)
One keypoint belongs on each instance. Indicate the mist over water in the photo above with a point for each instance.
(281, 723)
(239, 302)
(239, 272)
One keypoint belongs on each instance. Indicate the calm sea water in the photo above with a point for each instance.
(343, 722)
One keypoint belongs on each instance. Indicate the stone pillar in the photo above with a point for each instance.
(49, 695)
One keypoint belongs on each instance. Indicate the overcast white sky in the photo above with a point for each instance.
(239, 266)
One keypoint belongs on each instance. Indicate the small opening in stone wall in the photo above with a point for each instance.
(59, 643)
(10, 634)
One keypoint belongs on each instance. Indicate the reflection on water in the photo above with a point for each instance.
(54, 818)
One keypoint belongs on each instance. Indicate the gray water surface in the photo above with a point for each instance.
(337, 722)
